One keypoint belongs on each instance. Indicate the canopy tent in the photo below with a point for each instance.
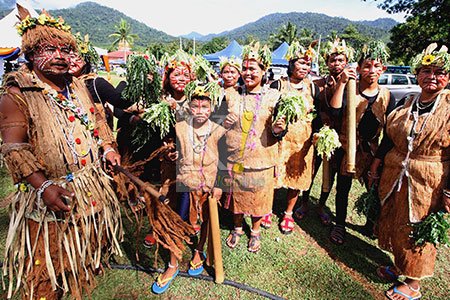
(9, 37)
(233, 49)
(278, 55)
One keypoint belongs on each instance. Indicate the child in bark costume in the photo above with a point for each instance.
(252, 144)
(337, 55)
(415, 180)
(373, 104)
(296, 152)
(65, 215)
(197, 149)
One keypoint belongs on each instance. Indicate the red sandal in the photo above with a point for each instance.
(287, 224)
(267, 221)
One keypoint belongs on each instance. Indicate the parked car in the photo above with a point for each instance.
(400, 85)
(120, 71)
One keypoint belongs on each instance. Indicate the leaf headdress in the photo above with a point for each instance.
(210, 90)
(339, 47)
(375, 50)
(296, 51)
(431, 57)
(262, 55)
(231, 61)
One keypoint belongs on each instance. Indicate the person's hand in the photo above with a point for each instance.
(347, 74)
(172, 156)
(150, 77)
(280, 125)
(57, 199)
(113, 158)
(446, 202)
(315, 139)
(216, 193)
(372, 175)
(230, 119)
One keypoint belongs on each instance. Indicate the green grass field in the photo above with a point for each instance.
(303, 265)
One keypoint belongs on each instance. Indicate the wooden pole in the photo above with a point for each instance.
(351, 126)
(326, 174)
(216, 243)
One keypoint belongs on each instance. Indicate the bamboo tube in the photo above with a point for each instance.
(215, 238)
(351, 126)
(326, 180)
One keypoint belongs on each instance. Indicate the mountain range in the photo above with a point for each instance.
(100, 21)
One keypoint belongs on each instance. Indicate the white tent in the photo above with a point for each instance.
(101, 51)
(9, 37)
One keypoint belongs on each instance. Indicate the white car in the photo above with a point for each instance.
(400, 85)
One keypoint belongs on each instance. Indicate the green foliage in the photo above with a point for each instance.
(327, 142)
(368, 204)
(214, 45)
(434, 229)
(160, 116)
(294, 107)
(142, 90)
(123, 35)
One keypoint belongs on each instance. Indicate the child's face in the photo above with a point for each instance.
(370, 70)
(200, 110)
(336, 63)
(302, 67)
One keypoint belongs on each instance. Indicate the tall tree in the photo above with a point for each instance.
(123, 36)
(427, 21)
(286, 33)
(214, 45)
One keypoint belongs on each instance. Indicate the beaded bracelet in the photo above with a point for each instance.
(40, 190)
(106, 152)
(446, 193)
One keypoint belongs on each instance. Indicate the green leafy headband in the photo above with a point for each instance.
(262, 55)
(232, 61)
(86, 50)
(375, 50)
(202, 68)
(340, 47)
(296, 51)
(44, 20)
(431, 57)
(210, 90)
(179, 58)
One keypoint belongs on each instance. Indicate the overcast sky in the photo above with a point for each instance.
(178, 17)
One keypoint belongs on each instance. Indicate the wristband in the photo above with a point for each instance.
(40, 190)
(446, 193)
(106, 152)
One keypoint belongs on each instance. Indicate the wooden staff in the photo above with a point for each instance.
(143, 185)
(351, 125)
(326, 174)
(214, 241)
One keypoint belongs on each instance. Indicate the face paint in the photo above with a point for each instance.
(76, 63)
(200, 110)
(52, 59)
(179, 77)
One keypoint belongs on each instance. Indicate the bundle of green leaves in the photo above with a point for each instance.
(435, 229)
(140, 89)
(160, 116)
(368, 204)
(327, 142)
(294, 107)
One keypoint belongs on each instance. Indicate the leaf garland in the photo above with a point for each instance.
(294, 107)
(160, 116)
(327, 142)
(140, 89)
(435, 229)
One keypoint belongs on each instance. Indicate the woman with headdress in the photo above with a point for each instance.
(252, 143)
(65, 214)
(296, 153)
(415, 180)
(373, 104)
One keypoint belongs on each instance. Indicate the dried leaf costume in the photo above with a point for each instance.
(44, 251)
(296, 154)
(415, 173)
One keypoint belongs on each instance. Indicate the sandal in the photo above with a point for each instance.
(287, 224)
(324, 218)
(161, 285)
(337, 234)
(388, 273)
(266, 221)
(196, 269)
(299, 213)
(254, 243)
(234, 237)
(416, 296)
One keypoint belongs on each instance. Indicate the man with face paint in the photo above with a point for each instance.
(372, 107)
(296, 152)
(53, 138)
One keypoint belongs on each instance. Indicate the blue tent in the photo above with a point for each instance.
(232, 49)
(278, 55)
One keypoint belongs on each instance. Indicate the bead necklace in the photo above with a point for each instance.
(423, 106)
(201, 146)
